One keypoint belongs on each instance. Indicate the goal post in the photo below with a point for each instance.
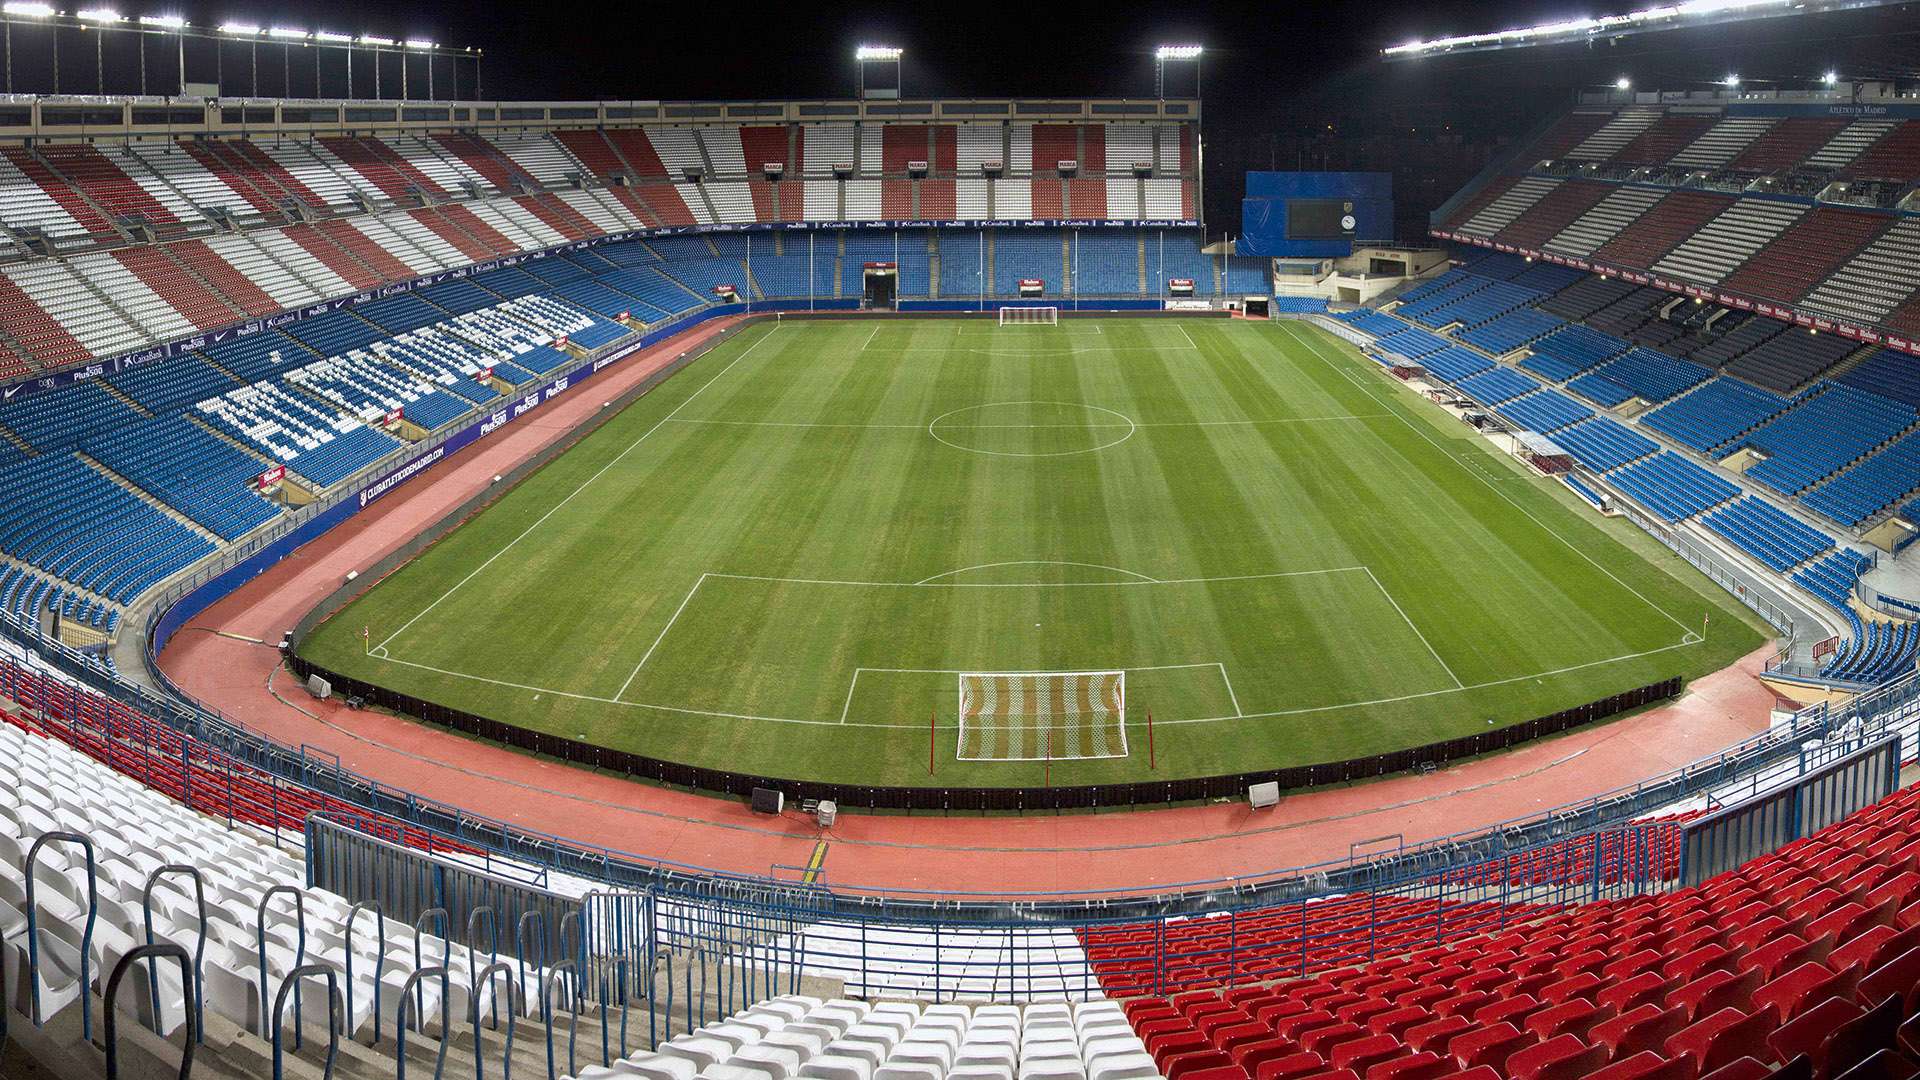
(1029, 316)
(1042, 715)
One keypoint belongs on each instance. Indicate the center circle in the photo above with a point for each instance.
(1032, 429)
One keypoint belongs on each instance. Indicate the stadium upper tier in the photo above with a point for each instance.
(1801, 210)
(109, 248)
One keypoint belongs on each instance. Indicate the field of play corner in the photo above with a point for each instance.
(1260, 539)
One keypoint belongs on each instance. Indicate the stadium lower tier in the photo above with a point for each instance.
(1841, 446)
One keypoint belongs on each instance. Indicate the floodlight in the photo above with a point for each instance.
(332, 37)
(165, 22)
(31, 10)
(1830, 78)
(239, 29)
(1730, 81)
(1177, 52)
(420, 43)
(99, 15)
(287, 32)
(369, 39)
(1623, 83)
(877, 52)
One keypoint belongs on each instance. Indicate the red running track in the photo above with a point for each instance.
(1136, 851)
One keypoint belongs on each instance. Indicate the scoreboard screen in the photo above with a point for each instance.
(1320, 219)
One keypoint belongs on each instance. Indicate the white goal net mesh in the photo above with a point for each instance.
(1029, 316)
(1041, 715)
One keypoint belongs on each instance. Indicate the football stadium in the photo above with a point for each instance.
(1151, 550)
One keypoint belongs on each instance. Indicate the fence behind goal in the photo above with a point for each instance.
(1043, 316)
(1042, 715)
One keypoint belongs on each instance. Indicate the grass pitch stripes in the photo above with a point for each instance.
(803, 454)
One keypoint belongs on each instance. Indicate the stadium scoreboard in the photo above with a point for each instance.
(1314, 214)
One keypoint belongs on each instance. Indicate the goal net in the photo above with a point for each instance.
(1029, 316)
(1042, 715)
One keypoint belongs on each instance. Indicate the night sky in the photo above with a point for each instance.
(1286, 86)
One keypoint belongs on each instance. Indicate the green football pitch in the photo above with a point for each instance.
(788, 558)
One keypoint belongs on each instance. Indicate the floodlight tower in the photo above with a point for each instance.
(882, 55)
(164, 24)
(1165, 54)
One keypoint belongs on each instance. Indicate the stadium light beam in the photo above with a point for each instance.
(370, 40)
(1664, 17)
(332, 38)
(1177, 52)
(1830, 78)
(1731, 81)
(287, 33)
(238, 29)
(1623, 83)
(886, 54)
(164, 22)
(420, 43)
(102, 16)
(27, 10)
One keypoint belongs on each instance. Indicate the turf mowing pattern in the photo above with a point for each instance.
(780, 560)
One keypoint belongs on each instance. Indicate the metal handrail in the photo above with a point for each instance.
(86, 936)
(379, 964)
(516, 1000)
(152, 954)
(291, 984)
(409, 990)
(199, 948)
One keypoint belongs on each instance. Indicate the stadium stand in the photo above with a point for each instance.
(1829, 427)
(1714, 415)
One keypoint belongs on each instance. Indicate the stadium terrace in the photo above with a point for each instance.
(868, 590)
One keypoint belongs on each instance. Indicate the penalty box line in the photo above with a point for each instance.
(854, 682)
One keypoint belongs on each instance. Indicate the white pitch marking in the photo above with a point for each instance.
(1231, 696)
(930, 584)
(851, 684)
(1183, 333)
(1314, 345)
(684, 601)
(583, 486)
(1416, 630)
(1196, 720)
(982, 427)
(870, 337)
(1035, 562)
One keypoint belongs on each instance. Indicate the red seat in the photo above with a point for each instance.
(1424, 1065)
(1724, 1036)
(1322, 1040)
(1806, 1033)
(1513, 1010)
(1646, 988)
(1436, 1034)
(1218, 1072)
(1288, 1067)
(1784, 953)
(1860, 1038)
(1647, 1027)
(1899, 976)
(1576, 1017)
(1715, 990)
(1180, 1065)
(1885, 1065)
(1395, 1022)
(1490, 1046)
(1745, 1068)
(1874, 946)
(1646, 1065)
(1360, 1055)
(1563, 1057)
(1802, 988)
(1581, 985)
(1249, 1055)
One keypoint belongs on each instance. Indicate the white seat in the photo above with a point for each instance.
(1123, 1067)
(832, 1066)
(909, 1071)
(770, 1061)
(704, 1051)
(1051, 1069)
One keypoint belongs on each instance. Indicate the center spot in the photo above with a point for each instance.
(1032, 428)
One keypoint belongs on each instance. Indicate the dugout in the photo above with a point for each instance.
(1541, 452)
